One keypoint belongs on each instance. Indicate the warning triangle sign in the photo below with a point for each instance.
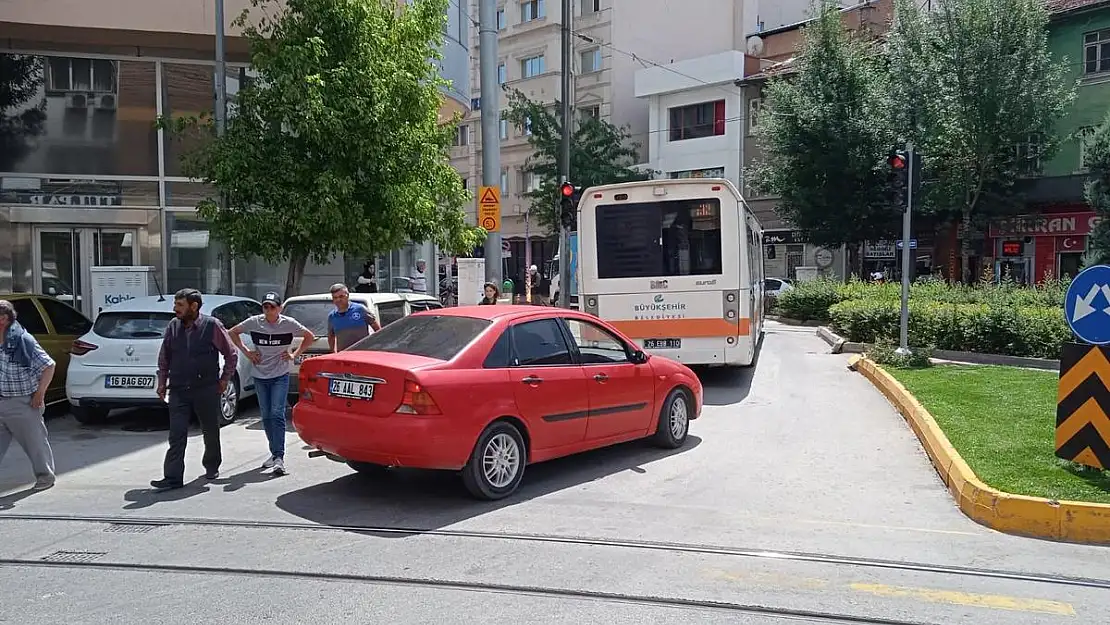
(489, 196)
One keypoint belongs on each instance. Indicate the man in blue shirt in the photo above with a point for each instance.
(349, 323)
(25, 373)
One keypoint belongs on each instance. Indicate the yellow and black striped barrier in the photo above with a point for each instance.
(1082, 405)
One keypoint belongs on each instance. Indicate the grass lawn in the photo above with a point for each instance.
(1002, 421)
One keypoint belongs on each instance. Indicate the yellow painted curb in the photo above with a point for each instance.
(1072, 521)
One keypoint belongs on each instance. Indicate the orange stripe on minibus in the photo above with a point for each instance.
(682, 328)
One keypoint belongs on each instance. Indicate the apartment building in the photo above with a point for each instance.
(99, 184)
(613, 39)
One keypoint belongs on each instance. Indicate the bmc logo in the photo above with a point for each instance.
(117, 298)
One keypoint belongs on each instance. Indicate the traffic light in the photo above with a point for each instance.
(569, 196)
(898, 163)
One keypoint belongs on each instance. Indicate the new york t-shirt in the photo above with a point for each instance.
(350, 326)
(270, 340)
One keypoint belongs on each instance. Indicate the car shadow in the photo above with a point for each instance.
(427, 500)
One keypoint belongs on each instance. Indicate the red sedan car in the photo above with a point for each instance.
(486, 390)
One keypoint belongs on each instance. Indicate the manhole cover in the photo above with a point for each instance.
(74, 556)
(130, 528)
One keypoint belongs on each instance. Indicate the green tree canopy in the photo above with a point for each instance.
(826, 133)
(1097, 192)
(975, 81)
(600, 153)
(337, 146)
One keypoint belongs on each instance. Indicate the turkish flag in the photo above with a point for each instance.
(1070, 244)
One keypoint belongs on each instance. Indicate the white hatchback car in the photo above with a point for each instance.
(115, 365)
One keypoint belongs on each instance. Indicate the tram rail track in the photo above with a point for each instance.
(643, 545)
(469, 586)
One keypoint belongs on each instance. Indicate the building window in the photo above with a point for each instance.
(590, 112)
(462, 136)
(466, 183)
(531, 10)
(591, 61)
(1096, 52)
(503, 128)
(95, 75)
(1084, 135)
(531, 66)
(501, 22)
(502, 74)
(695, 121)
(526, 128)
(529, 181)
(754, 106)
(1029, 156)
(504, 182)
(590, 6)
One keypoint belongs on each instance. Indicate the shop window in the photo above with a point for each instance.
(72, 123)
(196, 259)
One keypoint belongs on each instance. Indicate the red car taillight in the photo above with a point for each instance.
(80, 348)
(417, 400)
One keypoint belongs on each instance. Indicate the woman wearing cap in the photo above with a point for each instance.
(272, 334)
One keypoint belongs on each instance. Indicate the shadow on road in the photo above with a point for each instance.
(139, 498)
(724, 386)
(434, 499)
(7, 502)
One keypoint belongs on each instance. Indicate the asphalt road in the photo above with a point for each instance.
(800, 494)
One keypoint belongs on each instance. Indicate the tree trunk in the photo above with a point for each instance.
(295, 274)
(965, 247)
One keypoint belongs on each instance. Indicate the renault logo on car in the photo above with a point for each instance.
(130, 350)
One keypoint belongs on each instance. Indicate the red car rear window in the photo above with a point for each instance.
(431, 336)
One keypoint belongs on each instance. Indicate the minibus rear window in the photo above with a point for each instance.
(670, 238)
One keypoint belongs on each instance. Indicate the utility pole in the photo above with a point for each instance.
(907, 217)
(564, 162)
(221, 71)
(491, 113)
(226, 267)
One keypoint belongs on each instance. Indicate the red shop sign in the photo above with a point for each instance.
(1055, 225)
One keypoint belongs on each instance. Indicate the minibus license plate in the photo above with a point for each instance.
(351, 390)
(662, 343)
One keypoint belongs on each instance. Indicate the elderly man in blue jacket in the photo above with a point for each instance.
(25, 373)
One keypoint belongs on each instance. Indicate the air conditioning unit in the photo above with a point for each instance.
(77, 101)
(106, 102)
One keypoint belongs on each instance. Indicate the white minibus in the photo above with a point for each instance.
(677, 265)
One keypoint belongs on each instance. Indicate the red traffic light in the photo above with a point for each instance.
(897, 161)
(567, 189)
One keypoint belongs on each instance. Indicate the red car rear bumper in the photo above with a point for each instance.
(400, 440)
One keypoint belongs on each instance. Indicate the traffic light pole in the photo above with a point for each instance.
(907, 217)
(564, 162)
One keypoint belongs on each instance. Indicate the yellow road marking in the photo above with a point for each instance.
(997, 602)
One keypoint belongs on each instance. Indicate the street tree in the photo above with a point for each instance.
(1097, 193)
(22, 106)
(600, 153)
(980, 96)
(826, 132)
(336, 146)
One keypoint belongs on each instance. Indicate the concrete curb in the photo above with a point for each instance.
(1070, 521)
(840, 345)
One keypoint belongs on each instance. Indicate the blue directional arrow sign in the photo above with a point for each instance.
(1087, 305)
